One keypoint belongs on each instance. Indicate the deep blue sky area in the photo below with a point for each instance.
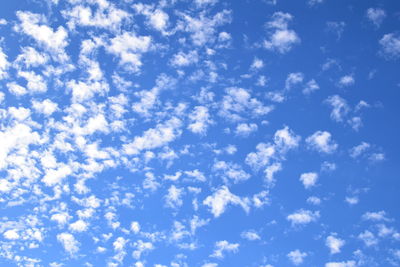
(199, 133)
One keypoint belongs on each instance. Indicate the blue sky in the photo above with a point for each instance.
(199, 133)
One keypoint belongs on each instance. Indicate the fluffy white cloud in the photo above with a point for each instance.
(346, 80)
(230, 171)
(11, 234)
(222, 198)
(293, 79)
(375, 216)
(339, 107)
(281, 38)
(315, 2)
(285, 139)
(199, 120)
(244, 129)
(224, 246)
(334, 244)
(390, 45)
(376, 15)
(46, 107)
(341, 264)
(257, 64)
(359, 149)
(129, 48)
(159, 136)
(238, 101)
(78, 226)
(261, 157)
(309, 179)
(174, 197)
(368, 238)
(3, 64)
(310, 87)
(203, 29)
(250, 235)
(69, 243)
(34, 26)
(296, 256)
(184, 59)
(156, 18)
(303, 217)
(321, 141)
(105, 16)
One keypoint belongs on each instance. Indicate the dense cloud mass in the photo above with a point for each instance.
(199, 133)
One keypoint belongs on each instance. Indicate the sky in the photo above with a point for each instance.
(199, 133)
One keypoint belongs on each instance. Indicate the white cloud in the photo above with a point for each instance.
(199, 120)
(390, 45)
(159, 136)
(203, 29)
(336, 27)
(375, 216)
(55, 176)
(205, 2)
(184, 59)
(230, 171)
(314, 200)
(285, 139)
(34, 26)
(156, 18)
(250, 235)
(82, 91)
(339, 107)
(257, 64)
(346, 80)
(261, 199)
(60, 218)
(352, 200)
(376, 15)
(222, 198)
(11, 234)
(334, 244)
(78, 226)
(368, 238)
(140, 248)
(35, 82)
(376, 157)
(119, 243)
(174, 197)
(129, 48)
(4, 64)
(309, 179)
(69, 243)
(296, 256)
(135, 227)
(310, 87)
(244, 129)
(224, 246)
(271, 170)
(261, 157)
(46, 107)
(238, 101)
(341, 264)
(293, 79)
(281, 38)
(303, 217)
(359, 150)
(315, 2)
(30, 57)
(105, 16)
(321, 141)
